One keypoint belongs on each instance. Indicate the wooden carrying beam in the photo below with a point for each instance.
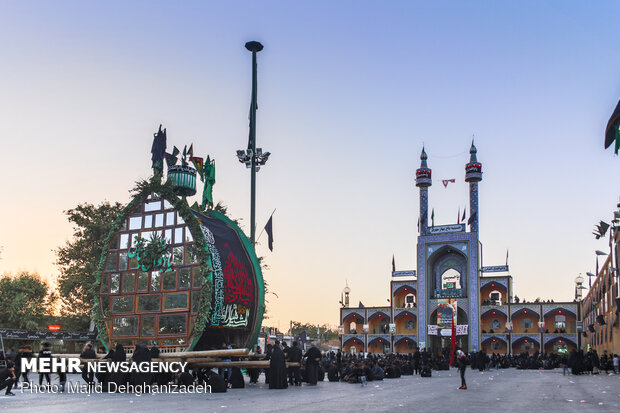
(242, 364)
(234, 352)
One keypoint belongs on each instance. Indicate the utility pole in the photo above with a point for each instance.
(253, 158)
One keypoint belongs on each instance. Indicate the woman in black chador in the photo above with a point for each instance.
(313, 356)
(141, 355)
(118, 377)
(277, 368)
(160, 379)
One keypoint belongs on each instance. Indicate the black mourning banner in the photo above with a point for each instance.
(9, 333)
(234, 277)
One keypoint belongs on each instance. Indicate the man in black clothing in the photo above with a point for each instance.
(294, 356)
(333, 373)
(88, 353)
(25, 352)
(416, 361)
(45, 353)
(461, 358)
(285, 350)
(268, 351)
(8, 378)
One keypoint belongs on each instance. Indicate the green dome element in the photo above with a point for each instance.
(183, 179)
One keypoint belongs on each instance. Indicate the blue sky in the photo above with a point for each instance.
(348, 94)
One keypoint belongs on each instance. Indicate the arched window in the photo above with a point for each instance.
(496, 345)
(527, 323)
(384, 328)
(560, 321)
(451, 279)
(409, 301)
(495, 297)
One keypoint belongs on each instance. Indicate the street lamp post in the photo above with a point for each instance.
(253, 157)
(578, 288)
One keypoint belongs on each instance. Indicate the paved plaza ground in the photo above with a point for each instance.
(495, 391)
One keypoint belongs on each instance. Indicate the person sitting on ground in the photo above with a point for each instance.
(236, 379)
(185, 379)
(217, 382)
(8, 378)
(377, 372)
(333, 373)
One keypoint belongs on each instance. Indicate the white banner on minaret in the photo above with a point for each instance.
(445, 229)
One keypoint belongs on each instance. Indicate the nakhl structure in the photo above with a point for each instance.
(177, 276)
(451, 285)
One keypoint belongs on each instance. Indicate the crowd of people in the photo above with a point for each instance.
(309, 367)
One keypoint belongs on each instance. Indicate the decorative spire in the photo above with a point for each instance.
(473, 170)
(423, 158)
(473, 152)
(423, 173)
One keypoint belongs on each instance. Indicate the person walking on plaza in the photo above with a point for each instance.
(461, 358)
(616, 361)
(564, 361)
(45, 353)
(88, 353)
(25, 352)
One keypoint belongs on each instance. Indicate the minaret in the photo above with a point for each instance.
(473, 175)
(423, 181)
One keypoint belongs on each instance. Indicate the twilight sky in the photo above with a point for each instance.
(348, 93)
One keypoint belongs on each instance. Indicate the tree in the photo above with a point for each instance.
(311, 330)
(78, 258)
(24, 301)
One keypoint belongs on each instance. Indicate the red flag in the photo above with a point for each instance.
(445, 182)
(198, 162)
(452, 342)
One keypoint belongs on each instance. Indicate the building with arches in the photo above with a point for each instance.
(450, 272)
